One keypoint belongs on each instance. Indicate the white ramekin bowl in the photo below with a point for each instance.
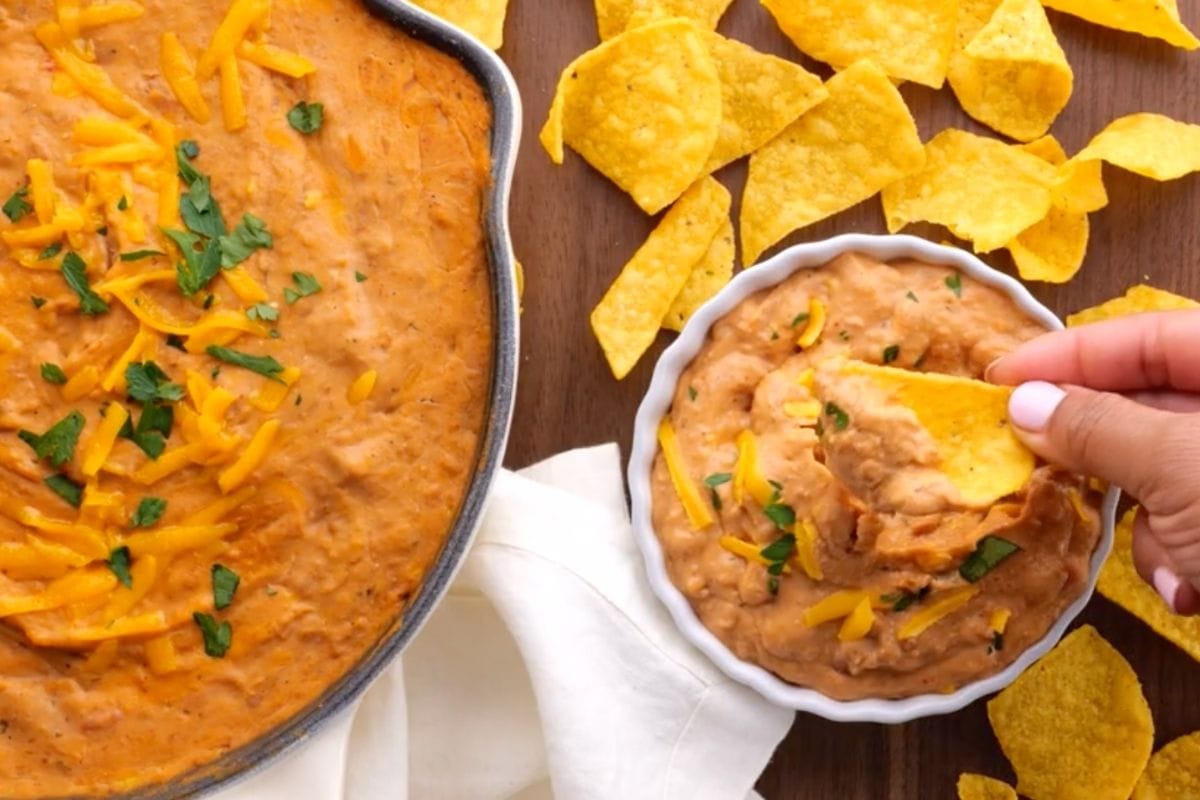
(657, 403)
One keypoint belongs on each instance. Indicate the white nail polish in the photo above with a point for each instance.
(1167, 583)
(1033, 404)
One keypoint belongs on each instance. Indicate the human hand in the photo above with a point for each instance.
(1120, 400)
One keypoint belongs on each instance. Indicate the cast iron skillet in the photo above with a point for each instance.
(501, 91)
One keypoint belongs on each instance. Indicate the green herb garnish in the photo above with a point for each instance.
(778, 552)
(123, 203)
(718, 479)
(199, 266)
(152, 430)
(224, 585)
(16, 206)
(57, 444)
(263, 365)
(841, 420)
(217, 636)
(65, 488)
(912, 297)
(138, 255)
(149, 511)
(954, 284)
(263, 312)
(781, 514)
(249, 235)
(692, 393)
(801, 317)
(53, 373)
(306, 286)
(200, 211)
(74, 271)
(358, 276)
(989, 553)
(38, 302)
(184, 152)
(50, 252)
(903, 599)
(307, 118)
(891, 353)
(118, 562)
(147, 383)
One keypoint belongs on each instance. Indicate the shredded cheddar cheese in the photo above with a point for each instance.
(251, 458)
(176, 539)
(81, 384)
(833, 607)
(859, 623)
(80, 538)
(72, 587)
(102, 658)
(747, 550)
(106, 132)
(241, 17)
(219, 509)
(999, 620)
(362, 387)
(747, 477)
(93, 80)
(36, 559)
(161, 656)
(233, 102)
(685, 488)
(114, 379)
(168, 464)
(803, 409)
(272, 394)
(41, 187)
(102, 441)
(815, 325)
(180, 74)
(276, 59)
(99, 15)
(807, 378)
(926, 616)
(126, 627)
(806, 550)
(248, 290)
(124, 153)
(143, 573)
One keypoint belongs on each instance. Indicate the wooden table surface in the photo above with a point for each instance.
(574, 231)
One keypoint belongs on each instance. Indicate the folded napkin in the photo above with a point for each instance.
(550, 671)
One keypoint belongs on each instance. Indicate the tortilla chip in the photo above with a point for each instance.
(629, 316)
(842, 152)
(1151, 145)
(910, 39)
(761, 95)
(617, 16)
(1158, 19)
(1174, 771)
(1054, 249)
(1013, 76)
(1137, 300)
(980, 787)
(708, 277)
(1079, 185)
(644, 109)
(1076, 725)
(982, 189)
(1120, 583)
(968, 420)
(483, 19)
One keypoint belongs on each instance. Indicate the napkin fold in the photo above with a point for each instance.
(549, 671)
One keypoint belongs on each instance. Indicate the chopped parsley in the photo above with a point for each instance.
(954, 284)
(306, 286)
(249, 235)
(50, 252)
(149, 511)
(152, 430)
(217, 636)
(358, 276)
(782, 515)
(138, 255)
(903, 599)
(801, 317)
(989, 553)
(712, 482)
(841, 420)
(185, 151)
(199, 266)
(74, 271)
(53, 373)
(307, 118)
(912, 296)
(263, 365)
(777, 553)
(118, 562)
(692, 393)
(263, 312)
(57, 444)
(774, 335)
(148, 384)
(123, 203)
(38, 302)
(200, 211)
(17, 206)
(65, 488)
(224, 585)
(891, 353)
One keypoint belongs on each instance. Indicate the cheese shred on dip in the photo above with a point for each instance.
(804, 518)
(244, 357)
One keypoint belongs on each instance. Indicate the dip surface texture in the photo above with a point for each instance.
(872, 513)
(333, 527)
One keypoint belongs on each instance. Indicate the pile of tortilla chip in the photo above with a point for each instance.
(483, 19)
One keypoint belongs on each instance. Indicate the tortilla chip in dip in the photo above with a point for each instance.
(981, 189)
(643, 108)
(1080, 700)
(1012, 75)
(839, 154)
(843, 554)
(617, 16)
(981, 787)
(1174, 771)
(632, 311)
(1158, 19)
(1151, 145)
(910, 39)
(483, 19)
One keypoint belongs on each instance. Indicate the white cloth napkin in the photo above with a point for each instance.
(549, 672)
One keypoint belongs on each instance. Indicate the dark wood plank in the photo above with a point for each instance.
(574, 231)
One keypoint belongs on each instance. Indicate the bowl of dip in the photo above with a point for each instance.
(762, 545)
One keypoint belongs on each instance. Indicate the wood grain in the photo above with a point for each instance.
(574, 231)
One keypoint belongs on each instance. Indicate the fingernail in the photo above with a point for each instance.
(1167, 584)
(1032, 405)
(987, 372)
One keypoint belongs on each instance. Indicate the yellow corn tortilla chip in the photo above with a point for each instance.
(1158, 19)
(643, 108)
(1136, 300)
(761, 95)
(981, 787)
(483, 19)
(1079, 185)
(1120, 583)
(982, 189)
(617, 16)
(968, 420)
(628, 318)
(839, 154)
(1076, 725)
(1151, 145)
(1013, 76)
(910, 39)
(1052, 250)
(708, 277)
(1174, 771)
